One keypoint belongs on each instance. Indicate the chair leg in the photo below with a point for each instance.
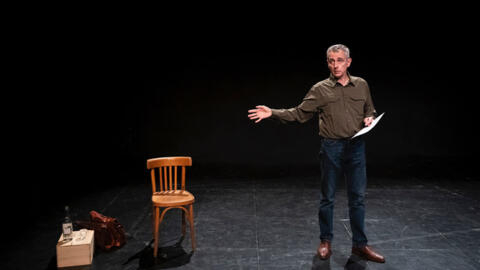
(184, 226)
(153, 222)
(155, 232)
(192, 227)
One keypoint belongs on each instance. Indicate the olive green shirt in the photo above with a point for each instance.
(341, 108)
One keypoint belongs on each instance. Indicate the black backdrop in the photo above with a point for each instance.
(97, 104)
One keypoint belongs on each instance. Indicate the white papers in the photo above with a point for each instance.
(367, 129)
(81, 237)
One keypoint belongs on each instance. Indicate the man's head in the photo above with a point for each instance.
(338, 60)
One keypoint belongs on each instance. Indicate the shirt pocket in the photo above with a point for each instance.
(331, 102)
(356, 102)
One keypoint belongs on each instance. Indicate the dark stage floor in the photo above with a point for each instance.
(272, 224)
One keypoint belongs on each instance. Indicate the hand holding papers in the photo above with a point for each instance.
(367, 129)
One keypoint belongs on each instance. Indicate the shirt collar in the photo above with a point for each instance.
(333, 81)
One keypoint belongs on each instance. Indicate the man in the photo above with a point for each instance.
(344, 105)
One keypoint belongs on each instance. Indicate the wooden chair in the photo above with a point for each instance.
(167, 195)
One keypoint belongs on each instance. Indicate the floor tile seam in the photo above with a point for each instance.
(223, 248)
(260, 249)
(250, 191)
(467, 220)
(415, 249)
(260, 219)
(297, 218)
(217, 187)
(439, 234)
(259, 216)
(288, 188)
(345, 221)
(383, 190)
(297, 250)
(456, 194)
(201, 217)
(450, 243)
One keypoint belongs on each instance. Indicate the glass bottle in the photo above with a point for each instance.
(67, 227)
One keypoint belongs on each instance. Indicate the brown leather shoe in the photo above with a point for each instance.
(367, 253)
(324, 250)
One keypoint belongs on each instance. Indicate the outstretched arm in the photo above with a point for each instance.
(310, 105)
(261, 112)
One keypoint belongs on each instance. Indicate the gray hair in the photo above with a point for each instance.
(338, 47)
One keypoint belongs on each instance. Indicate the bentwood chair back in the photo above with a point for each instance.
(168, 192)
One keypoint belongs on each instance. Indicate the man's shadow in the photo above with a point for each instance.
(354, 262)
(167, 257)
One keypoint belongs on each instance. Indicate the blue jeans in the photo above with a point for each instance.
(343, 159)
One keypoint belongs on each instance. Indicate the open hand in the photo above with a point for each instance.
(261, 112)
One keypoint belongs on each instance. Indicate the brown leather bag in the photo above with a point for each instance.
(109, 232)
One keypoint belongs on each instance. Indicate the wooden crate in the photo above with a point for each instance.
(75, 252)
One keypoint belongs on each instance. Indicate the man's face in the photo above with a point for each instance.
(338, 63)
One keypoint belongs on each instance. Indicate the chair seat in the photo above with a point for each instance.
(172, 198)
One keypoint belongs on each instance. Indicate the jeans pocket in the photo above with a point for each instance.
(328, 142)
(325, 143)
